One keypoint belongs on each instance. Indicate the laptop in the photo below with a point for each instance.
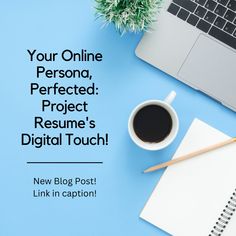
(195, 42)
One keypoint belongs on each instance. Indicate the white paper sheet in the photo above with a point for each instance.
(192, 194)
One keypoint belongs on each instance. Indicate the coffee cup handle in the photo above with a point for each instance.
(170, 98)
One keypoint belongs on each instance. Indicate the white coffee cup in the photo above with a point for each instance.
(166, 104)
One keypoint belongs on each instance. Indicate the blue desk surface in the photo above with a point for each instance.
(124, 81)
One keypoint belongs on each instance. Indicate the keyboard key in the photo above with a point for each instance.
(187, 4)
(210, 5)
(210, 17)
(232, 5)
(229, 15)
(229, 28)
(192, 19)
(200, 11)
(223, 2)
(219, 22)
(223, 37)
(220, 10)
(173, 9)
(201, 2)
(183, 14)
(203, 25)
(234, 34)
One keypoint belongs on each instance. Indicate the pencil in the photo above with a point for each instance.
(190, 155)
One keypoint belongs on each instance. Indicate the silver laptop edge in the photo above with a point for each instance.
(191, 55)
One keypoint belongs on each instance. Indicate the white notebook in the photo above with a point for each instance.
(197, 197)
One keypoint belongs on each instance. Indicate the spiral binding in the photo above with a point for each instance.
(225, 216)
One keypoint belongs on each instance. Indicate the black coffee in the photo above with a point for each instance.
(152, 123)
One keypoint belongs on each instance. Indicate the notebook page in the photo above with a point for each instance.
(191, 194)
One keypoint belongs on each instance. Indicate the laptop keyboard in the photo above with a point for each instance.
(216, 18)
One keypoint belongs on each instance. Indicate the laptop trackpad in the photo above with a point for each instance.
(211, 67)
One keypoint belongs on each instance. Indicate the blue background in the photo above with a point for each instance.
(124, 81)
